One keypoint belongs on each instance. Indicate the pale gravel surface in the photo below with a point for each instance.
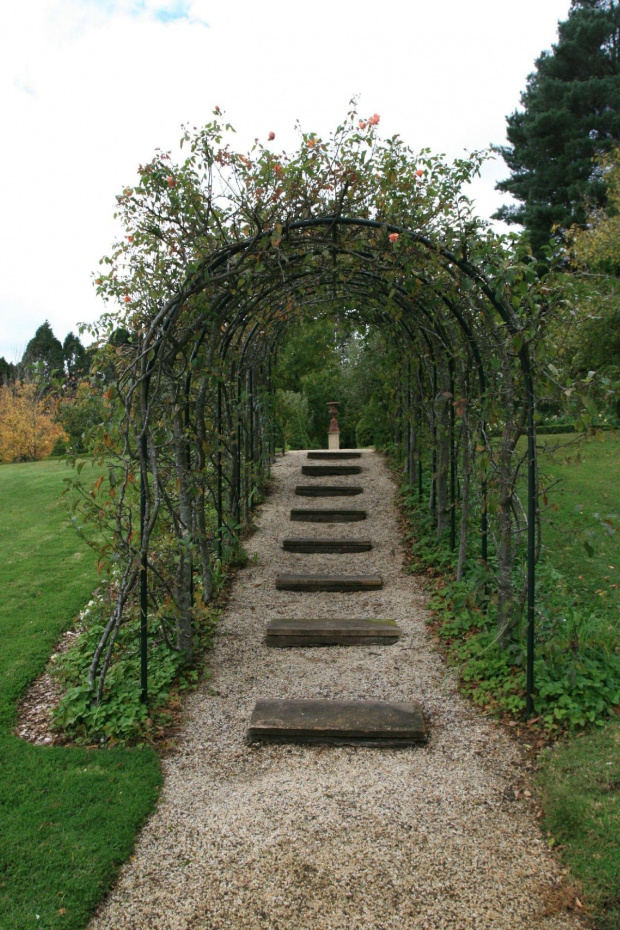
(335, 838)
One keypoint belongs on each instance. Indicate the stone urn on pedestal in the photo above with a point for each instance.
(333, 434)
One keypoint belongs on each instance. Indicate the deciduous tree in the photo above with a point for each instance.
(595, 253)
(28, 431)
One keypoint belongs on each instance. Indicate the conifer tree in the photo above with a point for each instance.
(75, 358)
(45, 352)
(7, 371)
(570, 116)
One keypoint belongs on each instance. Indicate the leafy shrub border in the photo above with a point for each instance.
(577, 668)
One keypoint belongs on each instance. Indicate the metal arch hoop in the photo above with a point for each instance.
(166, 315)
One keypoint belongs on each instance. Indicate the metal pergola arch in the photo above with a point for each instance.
(154, 342)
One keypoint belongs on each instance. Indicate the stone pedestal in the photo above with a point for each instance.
(333, 433)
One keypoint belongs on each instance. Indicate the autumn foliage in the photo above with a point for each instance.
(27, 428)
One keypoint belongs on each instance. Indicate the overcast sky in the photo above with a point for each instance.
(89, 88)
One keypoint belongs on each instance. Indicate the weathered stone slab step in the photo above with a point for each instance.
(367, 723)
(328, 490)
(326, 545)
(313, 583)
(324, 471)
(334, 456)
(308, 515)
(331, 632)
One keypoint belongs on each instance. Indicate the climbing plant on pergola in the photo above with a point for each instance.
(221, 255)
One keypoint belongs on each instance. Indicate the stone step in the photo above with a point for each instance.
(334, 456)
(308, 515)
(326, 545)
(331, 632)
(292, 582)
(328, 490)
(323, 471)
(366, 723)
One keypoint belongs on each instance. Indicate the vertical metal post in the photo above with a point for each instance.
(531, 544)
(419, 450)
(484, 524)
(188, 465)
(260, 436)
(238, 449)
(271, 436)
(434, 443)
(452, 467)
(407, 426)
(143, 573)
(220, 519)
(251, 433)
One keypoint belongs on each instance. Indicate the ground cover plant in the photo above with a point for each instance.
(69, 815)
(578, 661)
(578, 669)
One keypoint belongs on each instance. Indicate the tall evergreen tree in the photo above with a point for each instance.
(7, 371)
(75, 357)
(570, 115)
(44, 351)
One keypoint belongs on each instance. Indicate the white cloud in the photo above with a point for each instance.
(88, 90)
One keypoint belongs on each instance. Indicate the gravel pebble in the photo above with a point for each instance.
(286, 837)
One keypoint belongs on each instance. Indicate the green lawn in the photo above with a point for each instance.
(580, 778)
(580, 787)
(588, 496)
(69, 816)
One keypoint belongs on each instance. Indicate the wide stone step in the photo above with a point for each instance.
(326, 545)
(331, 632)
(334, 456)
(366, 723)
(313, 583)
(328, 490)
(325, 471)
(308, 515)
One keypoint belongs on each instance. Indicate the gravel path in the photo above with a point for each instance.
(335, 838)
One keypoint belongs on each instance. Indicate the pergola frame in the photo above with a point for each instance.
(221, 256)
(156, 342)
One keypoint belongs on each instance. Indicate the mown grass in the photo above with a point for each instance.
(69, 815)
(580, 787)
(582, 537)
(580, 778)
